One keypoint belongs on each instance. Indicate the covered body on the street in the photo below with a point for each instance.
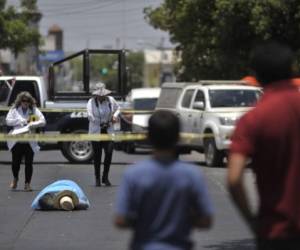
(50, 197)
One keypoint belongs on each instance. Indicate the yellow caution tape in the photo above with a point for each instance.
(90, 137)
(132, 111)
(71, 110)
(72, 137)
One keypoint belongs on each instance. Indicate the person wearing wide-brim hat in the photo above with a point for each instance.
(103, 112)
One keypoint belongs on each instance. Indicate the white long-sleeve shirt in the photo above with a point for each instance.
(16, 118)
(104, 113)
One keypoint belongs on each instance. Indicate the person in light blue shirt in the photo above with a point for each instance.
(162, 199)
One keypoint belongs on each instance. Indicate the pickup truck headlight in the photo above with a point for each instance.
(227, 121)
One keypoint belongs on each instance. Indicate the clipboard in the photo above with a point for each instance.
(22, 130)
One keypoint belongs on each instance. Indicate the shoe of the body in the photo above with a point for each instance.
(27, 187)
(13, 185)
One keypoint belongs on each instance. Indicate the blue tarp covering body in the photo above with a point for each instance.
(59, 186)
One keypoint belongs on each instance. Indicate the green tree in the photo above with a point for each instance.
(135, 69)
(15, 26)
(104, 68)
(215, 36)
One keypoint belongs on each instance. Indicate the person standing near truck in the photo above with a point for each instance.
(24, 117)
(103, 111)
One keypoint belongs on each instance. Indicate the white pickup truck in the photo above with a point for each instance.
(210, 109)
(68, 87)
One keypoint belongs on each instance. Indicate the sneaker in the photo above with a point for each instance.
(27, 187)
(13, 185)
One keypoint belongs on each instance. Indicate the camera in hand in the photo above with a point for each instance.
(104, 127)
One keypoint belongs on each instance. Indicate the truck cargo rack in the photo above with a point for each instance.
(80, 70)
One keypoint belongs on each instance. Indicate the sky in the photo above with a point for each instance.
(98, 24)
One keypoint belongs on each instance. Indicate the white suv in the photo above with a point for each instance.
(208, 108)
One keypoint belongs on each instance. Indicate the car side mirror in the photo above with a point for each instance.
(198, 105)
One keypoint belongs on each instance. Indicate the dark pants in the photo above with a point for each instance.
(290, 244)
(19, 151)
(108, 150)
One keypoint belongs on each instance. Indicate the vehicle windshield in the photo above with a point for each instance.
(233, 97)
(144, 103)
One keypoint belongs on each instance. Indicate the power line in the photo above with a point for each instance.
(103, 24)
(100, 20)
(59, 5)
(81, 10)
(108, 12)
(109, 35)
(72, 3)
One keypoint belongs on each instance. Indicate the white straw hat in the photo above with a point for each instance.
(66, 203)
(100, 90)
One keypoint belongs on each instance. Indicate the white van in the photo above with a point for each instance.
(143, 101)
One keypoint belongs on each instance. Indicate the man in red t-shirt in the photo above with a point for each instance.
(270, 135)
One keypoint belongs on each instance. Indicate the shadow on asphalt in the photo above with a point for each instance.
(200, 163)
(23, 191)
(203, 164)
(246, 244)
(140, 153)
(65, 163)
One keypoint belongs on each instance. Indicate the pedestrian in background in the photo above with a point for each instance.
(25, 116)
(103, 112)
(270, 135)
(161, 199)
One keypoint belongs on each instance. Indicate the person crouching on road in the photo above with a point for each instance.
(103, 112)
(23, 115)
(161, 199)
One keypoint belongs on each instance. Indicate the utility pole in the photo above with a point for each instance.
(88, 42)
(33, 51)
(118, 43)
(124, 23)
(161, 64)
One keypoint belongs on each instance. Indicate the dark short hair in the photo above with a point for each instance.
(164, 128)
(272, 61)
(46, 202)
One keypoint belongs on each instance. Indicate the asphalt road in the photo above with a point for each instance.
(23, 228)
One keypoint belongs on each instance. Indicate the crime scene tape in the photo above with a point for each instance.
(90, 137)
(71, 110)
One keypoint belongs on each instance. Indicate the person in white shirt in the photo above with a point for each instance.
(103, 112)
(26, 117)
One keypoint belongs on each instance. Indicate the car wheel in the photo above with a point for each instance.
(78, 151)
(129, 148)
(118, 146)
(213, 156)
